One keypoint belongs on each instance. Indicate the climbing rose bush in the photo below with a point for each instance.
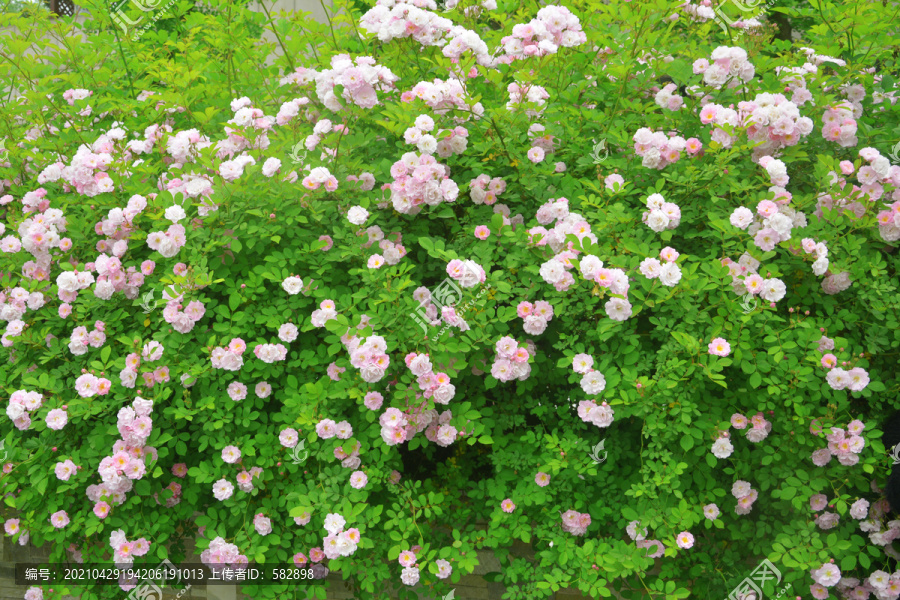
(604, 279)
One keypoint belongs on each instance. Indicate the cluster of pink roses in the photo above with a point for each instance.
(553, 27)
(466, 273)
(432, 311)
(185, 146)
(661, 215)
(511, 360)
(760, 430)
(420, 180)
(592, 382)
(776, 170)
(327, 429)
(701, 12)
(668, 272)
(536, 316)
(325, 312)
(393, 19)
(442, 97)
(13, 305)
(437, 427)
(134, 425)
(69, 283)
(745, 495)
(270, 353)
(168, 242)
(546, 142)
(882, 585)
(770, 290)
(771, 224)
(229, 357)
(361, 79)
(658, 150)
(81, 338)
(320, 176)
(391, 252)
(575, 522)
(370, 357)
(88, 385)
(117, 226)
(556, 270)
(434, 385)
(485, 190)
(855, 380)
(839, 124)
(290, 108)
(350, 460)
(667, 98)
(223, 489)
(21, 403)
(589, 411)
(183, 321)
(772, 122)
(220, 553)
(112, 278)
(522, 93)
(231, 170)
(845, 447)
(124, 551)
(339, 542)
(128, 375)
(39, 235)
(730, 66)
(393, 426)
(407, 560)
(12, 527)
(88, 171)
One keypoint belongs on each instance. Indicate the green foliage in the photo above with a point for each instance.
(671, 397)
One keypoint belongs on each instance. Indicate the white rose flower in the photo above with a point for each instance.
(670, 274)
(292, 285)
(175, 213)
(357, 215)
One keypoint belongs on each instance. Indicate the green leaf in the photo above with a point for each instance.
(755, 380)
(687, 442)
